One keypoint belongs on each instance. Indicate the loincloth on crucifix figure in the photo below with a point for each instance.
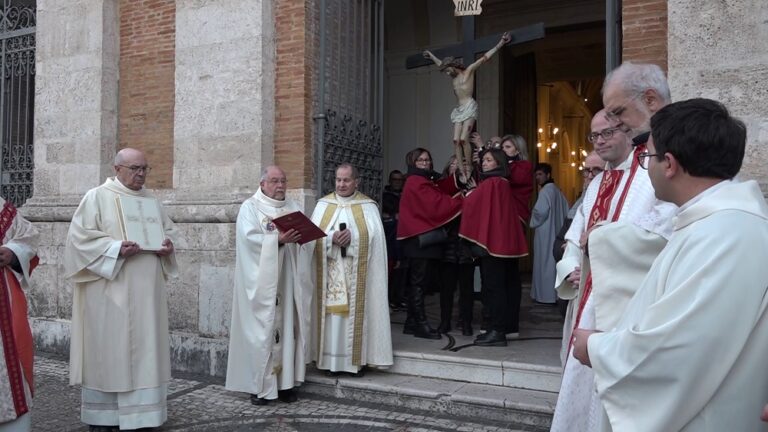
(464, 115)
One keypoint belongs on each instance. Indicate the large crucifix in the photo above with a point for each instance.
(463, 74)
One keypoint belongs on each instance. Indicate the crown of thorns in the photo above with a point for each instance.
(451, 62)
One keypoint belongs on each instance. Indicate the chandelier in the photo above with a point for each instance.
(548, 138)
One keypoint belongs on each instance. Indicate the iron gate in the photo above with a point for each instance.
(350, 90)
(17, 94)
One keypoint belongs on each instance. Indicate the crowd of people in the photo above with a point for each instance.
(660, 264)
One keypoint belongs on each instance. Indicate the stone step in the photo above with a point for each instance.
(455, 367)
(512, 407)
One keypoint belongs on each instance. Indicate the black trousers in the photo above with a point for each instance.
(419, 271)
(501, 282)
(464, 275)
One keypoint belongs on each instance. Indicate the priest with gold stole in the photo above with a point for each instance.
(271, 302)
(17, 259)
(350, 327)
(119, 350)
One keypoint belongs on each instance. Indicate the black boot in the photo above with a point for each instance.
(410, 320)
(466, 328)
(491, 338)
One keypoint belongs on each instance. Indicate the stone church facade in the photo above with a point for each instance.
(214, 90)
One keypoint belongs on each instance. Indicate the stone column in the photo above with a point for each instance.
(75, 97)
(224, 113)
(717, 50)
(75, 138)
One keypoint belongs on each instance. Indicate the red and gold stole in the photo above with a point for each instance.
(608, 188)
(14, 327)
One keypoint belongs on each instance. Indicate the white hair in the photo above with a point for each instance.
(637, 78)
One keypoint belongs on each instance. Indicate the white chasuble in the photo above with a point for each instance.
(271, 305)
(689, 354)
(351, 313)
(119, 339)
(618, 262)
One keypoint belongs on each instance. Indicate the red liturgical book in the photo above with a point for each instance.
(296, 220)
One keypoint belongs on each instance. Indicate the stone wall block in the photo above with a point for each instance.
(729, 32)
(212, 22)
(42, 295)
(183, 292)
(207, 236)
(216, 285)
(64, 291)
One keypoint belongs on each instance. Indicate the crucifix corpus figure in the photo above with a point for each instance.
(465, 114)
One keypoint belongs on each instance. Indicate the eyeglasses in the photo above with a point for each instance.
(136, 168)
(605, 133)
(423, 160)
(614, 114)
(586, 172)
(277, 181)
(642, 159)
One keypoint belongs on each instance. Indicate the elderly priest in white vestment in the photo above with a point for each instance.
(119, 350)
(350, 317)
(17, 259)
(270, 310)
(689, 353)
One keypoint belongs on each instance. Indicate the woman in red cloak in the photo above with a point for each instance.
(520, 174)
(490, 222)
(426, 205)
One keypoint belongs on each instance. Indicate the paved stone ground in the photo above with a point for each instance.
(200, 403)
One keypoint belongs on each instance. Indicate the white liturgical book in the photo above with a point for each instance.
(141, 221)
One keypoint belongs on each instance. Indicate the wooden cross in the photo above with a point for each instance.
(469, 47)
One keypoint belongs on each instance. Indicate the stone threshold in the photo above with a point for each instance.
(505, 373)
(531, 408)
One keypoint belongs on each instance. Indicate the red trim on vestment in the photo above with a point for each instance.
(600, 214)
(8, 324)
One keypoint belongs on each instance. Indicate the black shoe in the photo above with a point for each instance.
(360, 373)
(424, 331)
(491, 338)
(466, 330)
(287, 396)
(332, 374)
(93, 428)
(444, 327)
(255, 400)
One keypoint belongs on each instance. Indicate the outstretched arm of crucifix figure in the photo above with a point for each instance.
(428, 55)
(505, 39)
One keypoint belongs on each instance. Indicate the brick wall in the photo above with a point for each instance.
(147, 55)
(293, 91)
(644, 25)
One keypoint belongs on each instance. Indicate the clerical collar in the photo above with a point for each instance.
(121, 185)
(271, 201)
(345, 199)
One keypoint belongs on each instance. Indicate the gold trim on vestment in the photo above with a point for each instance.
(362, 274)
(320, 274)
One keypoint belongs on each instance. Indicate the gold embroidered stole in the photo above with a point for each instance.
(361, 273)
